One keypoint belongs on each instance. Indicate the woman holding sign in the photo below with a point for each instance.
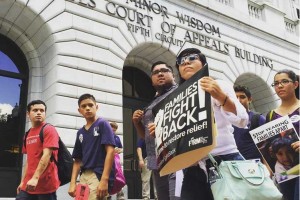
(286, 85)
(227, 112)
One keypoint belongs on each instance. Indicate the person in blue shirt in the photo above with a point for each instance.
(119, 146)
(93, 152)
(145, 172)
(242, 136)
(118, 150)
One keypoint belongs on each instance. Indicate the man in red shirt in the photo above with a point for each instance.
(40, 176)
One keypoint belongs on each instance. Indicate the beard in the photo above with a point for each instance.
(164, 87)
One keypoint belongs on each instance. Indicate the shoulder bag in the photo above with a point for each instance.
(119, 181)
(243, 180)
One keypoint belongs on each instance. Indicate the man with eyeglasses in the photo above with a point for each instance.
(164, 83)
(228, 111)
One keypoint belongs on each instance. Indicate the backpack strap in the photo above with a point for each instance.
(42, 140)
(25, 137)
(254, 120)
(269, 116)
(41, 134)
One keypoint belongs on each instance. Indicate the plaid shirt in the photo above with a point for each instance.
(149, 140)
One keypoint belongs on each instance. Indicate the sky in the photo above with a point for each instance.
(5, 109)
(9, 87)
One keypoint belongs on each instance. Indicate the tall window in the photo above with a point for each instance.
(10, 87)
(137, 93)
(136, 84)
(13, 97)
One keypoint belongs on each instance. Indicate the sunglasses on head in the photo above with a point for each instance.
(190, 58)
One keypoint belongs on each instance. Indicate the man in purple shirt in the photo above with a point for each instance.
(242, 136)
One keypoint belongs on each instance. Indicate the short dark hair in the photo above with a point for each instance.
(34, 102)
(241, 88)
(161, 63)
(86, 96)
(189, 51)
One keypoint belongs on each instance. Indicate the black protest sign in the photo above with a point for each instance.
(184, 126)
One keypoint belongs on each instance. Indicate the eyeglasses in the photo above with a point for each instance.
(190, 58)
(284, 82)
(162, 70)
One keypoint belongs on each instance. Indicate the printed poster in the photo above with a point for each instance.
(185, 130)
(274, 140)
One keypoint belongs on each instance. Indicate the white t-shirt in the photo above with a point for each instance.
(224, 121)
(281, 168)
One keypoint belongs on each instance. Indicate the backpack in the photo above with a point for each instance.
(64, 160)
(254, 121)
(119, 181)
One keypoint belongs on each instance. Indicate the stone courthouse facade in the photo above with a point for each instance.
(60, 49)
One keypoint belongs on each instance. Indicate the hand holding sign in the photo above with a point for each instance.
(151, 128)
(137, 116)
(296, 146)
(184, 129)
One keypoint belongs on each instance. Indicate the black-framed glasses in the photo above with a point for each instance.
(283, 82)
(190, 58)
(161, 70)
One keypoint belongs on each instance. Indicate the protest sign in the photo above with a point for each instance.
(185, 130)
(274, 140)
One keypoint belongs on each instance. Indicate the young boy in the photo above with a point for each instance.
(242, 136)
(93, 151)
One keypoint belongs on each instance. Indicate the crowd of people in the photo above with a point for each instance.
(96, 142)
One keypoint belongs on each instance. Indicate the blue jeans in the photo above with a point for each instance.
(162, 185)
(26, 196)
(165, 186)
(195, 184)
